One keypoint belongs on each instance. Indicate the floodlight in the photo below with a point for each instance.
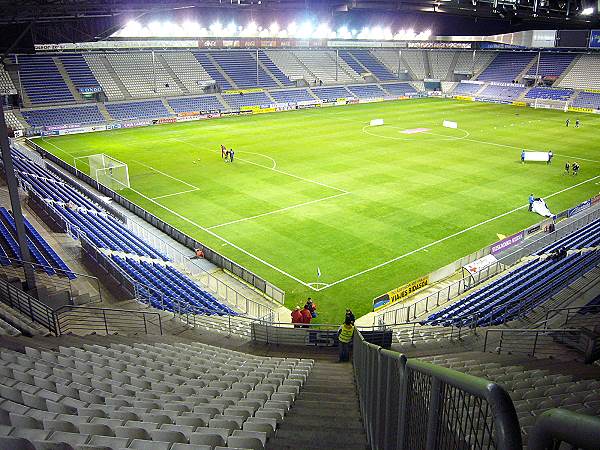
(216, 28)
(230, 29)
(274, 28)
(306, 30)
(292, 28)
(587, 12)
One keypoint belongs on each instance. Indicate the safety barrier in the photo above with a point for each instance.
(414, 405)
(558, 426)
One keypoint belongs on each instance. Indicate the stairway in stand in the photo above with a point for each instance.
(326, 415)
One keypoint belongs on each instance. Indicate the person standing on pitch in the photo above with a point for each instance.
(577, 123)
(567, 122)
(531, 200)
(345, 333)
(550, 156)
(575, 168)
(231, 153)
(522, 156)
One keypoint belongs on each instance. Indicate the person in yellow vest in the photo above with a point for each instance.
(345, 333)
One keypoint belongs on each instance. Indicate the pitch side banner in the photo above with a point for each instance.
(400, 294)
(507, 243)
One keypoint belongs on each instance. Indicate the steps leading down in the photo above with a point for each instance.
(326, 415)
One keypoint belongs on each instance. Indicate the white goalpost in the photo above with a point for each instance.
(106, 170)
(541, 103)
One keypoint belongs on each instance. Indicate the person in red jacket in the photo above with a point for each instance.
(297, 318)
(306, 317)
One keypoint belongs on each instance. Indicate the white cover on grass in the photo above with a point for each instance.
(539, 206)
(450, 124)
(376, 122)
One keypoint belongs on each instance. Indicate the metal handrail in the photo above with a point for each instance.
(554, 426)
(410, 404)
(521, 333)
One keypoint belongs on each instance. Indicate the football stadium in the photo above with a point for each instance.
(310, 225)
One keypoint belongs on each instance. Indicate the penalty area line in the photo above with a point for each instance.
(439, 241)
(175, 193)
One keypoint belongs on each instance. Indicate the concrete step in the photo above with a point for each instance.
(318, 439)
(312, 407)
(337, 397)
(316, 420)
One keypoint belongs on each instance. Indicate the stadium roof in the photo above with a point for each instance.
(56, 21)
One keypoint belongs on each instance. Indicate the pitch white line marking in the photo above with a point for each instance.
(287, 208)
(270, 168)
(165, 174)
(431, 244)
(176, 193)
(57, 147)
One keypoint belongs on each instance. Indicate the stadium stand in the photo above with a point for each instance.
(416, 62)
(292, 96)
(346, 55)
(142, 75)
(507, 92)
(551, 64)
(584, 74)
(204, 103)
(399, 88)
(587, 100)
(525, 287)
(12, 121)
(6, 84)
(188, 70)
(150, 109)
(241, 66)
(290, 65)
(63, 116)
(42, 81)
(367, 91)
(213, 71)
(549, 93)
(271, 67)
(322, 64)
(236, 101)
(104, 77)
(373, 65)
(440, 63)
(40, 250)
(506, 67)
(331, 94)
(146, 396)
(467, 88)
(78, 71)
(472, 63)
(391, 60)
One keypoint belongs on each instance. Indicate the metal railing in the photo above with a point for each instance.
(574, 316)
(541, 343)
(432, 301)
(49, 285)
(557, 426)
(415, 405)
(87, 319)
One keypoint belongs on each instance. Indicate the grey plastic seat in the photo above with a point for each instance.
(97, 429)
(132, 433)
(260, 435)
(261, 427)
(168, 436)
(49, 445)
(73, 439)
(210, 439)
(194, 422)
(15, 443)
(140, 444)
(60, 425)
(179, 446)
(19, 421)
(108, 441)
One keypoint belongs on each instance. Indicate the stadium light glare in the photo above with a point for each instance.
(274, 28)
(191, 29)
(292, 28)
(230, 29)
(305, 31)
(216, 28)
(587, 12)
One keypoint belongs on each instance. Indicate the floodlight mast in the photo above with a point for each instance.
(13, 192)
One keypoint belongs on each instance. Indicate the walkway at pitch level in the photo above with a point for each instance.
(325, 416)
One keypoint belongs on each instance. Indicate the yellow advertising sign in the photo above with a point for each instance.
(576, 109)
(400, 294)
(519, 103)
(243, 91)
(462, 97)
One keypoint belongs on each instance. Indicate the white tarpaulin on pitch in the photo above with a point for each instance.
(539, 206)
(480, 264)
(536, 156)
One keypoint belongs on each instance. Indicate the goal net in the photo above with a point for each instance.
(106, 170)
(541, 103)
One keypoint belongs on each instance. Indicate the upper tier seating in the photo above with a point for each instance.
(204, 103)
(440, 63)
(138, 74)
(551, 64)
(150, 109)
(322, 64)
(78, 71)
(399, 89)
(12, 121)
(506, 66)
(290, 65)
(40, 250)
(292, 96)
(42, 81)
(372, 65)
(63, 116)
(204, 58)
(241, 67)
(367, 91)
(502, 92)
(391, 60)
(587, 100)
(180, 396)
(109, 86)
(525, 287)
(466, 88)
(6, 84)
(416, 62)
(188, 70)
(585, 73)
(272, 67)
(156, 279)
(331, 94)
(466, 63)
(549, 93)
(236, 101)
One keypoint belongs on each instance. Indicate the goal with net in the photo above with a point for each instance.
(542, 103)
(106, 170)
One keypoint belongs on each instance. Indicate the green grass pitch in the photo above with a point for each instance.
(372, 207)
